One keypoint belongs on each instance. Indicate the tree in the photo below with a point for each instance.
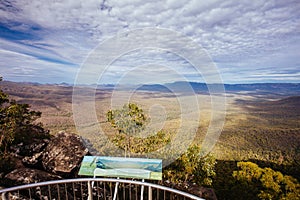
(16, 123)
(140, 145)
(192, 167)
(269, 184)
(130, 120)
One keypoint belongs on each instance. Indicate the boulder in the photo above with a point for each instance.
(9, 163)
(23, 176)
(29, 149)
(34, 161)
(63, 154)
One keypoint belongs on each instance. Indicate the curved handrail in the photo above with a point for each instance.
(89, 180)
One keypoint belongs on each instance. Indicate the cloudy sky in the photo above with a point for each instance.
(48, 41)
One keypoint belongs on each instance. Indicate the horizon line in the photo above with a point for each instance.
(129, 84)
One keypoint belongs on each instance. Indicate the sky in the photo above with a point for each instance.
(50, 41)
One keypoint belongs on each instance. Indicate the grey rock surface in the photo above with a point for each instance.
(63, 154)
(23, 176)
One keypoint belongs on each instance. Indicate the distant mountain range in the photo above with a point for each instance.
(284, 89)
(258, 88)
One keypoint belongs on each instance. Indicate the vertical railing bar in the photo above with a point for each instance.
(95, 188)
(66, 192)
(3, 195)
(123, 186)
(49, 191)
(158, 192)
(81, 191)
(102, 185)
(130, 190)
(111, 194)
(136, 192)
(42, 190)
(90, 192)
(168, 195)
(29, 193)
(142, 190)
(74, 194)
(58, 192)
(98, 190)
(149, 193)
(104, 190)
(116, 191)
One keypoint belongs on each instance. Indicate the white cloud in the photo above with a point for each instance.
(243, 34)
(28, 68)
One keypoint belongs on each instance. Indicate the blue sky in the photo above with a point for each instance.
(47, 41)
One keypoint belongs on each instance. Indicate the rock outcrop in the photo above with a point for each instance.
(34, 161)
(63, 154)
(30, 149)
(45, 160)
(23, 176)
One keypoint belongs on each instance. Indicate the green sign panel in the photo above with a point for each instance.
(140, 168)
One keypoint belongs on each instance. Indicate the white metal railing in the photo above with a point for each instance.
(94, 188)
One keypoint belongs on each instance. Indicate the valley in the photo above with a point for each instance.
(256, 127)
(262, 127)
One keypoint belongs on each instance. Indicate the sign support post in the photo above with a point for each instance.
(142, 190)
(116, 190)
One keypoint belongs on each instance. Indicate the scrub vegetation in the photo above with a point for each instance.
(256, 157)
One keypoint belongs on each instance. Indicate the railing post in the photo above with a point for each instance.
(142, 190)
(116, 190)
(150, 193)
(3, 196)
(90, 191)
